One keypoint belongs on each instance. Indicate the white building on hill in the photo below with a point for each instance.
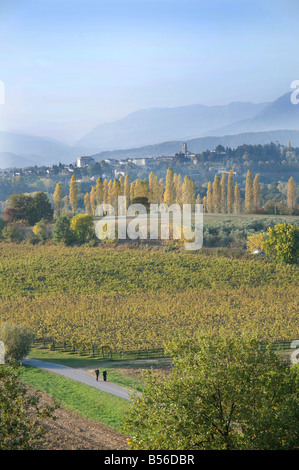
(82, 162)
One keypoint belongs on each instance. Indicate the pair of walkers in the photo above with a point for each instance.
(97, 372)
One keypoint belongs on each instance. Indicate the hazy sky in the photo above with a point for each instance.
(69, 65)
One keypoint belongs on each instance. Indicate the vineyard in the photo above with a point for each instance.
(129, 298)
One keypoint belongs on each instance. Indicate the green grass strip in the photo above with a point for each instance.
(115, 374)
(83, 399)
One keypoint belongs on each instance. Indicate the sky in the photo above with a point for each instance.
(69, 65)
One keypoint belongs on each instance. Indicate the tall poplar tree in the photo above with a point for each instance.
(230, 192)
(99, 191)
(188, 191)
(127, 189)
(141, 188)
(248, 193)
(209, 198)
(73, 196)
(115, 192)
(151, 178)
(121, 186)
(292, 195)
(223, 193)
(237, 199)
(57, 196)
(66, 205)
(93, 202)
(105, 191)
(87, 203)
(216, 195)
(256, 193)
(155, 192)
(109, 192)
(175, 179)
(161, 190)
(132, 191)
(178, 190)
(169, 195)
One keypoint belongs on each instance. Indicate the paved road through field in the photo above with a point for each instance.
(80, 376)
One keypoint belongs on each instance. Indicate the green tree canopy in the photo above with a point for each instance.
(57, 197)
(40, 228)
(283, 243)
(39, 208)
(20, 202)
(222, 393)
(21, 413)
(31, 208)
(17, 341)
(73, 194)
(83, 227)
(62, 232)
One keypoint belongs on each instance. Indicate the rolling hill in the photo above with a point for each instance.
(161, 131)
(204, 143)
(279, 115)
(21, 150)
(155, 125)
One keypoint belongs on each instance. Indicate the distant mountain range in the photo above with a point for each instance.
(158, 131)
(203, 143)
(279, 115)
(155, 125)
(21, 150)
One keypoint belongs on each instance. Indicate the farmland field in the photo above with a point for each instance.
(133, 298)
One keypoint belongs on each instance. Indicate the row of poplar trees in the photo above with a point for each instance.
(225, 196)
(222, 194)
(106, 192)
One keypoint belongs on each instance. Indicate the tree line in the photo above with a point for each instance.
(223, 195)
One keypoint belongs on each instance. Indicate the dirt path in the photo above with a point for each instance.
(71, 431)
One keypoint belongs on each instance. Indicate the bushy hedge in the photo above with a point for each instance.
(224, 233)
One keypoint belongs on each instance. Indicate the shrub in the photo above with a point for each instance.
(83, 227)
(62, 232)
(256, 242)
(40, 229)
(283, 243)
(21, 413)
(17, 341)
(12, 232)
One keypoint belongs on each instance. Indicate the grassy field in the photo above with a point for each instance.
(122, 373)
(71, 395)
(86, 401)
(237, 218)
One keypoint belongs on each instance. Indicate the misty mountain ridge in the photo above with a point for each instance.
(18, 149)
(155, 125)
(202, 144)
(148, 131)
(280, 114)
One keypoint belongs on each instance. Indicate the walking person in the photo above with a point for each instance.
(104, 375)
(97, 372)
